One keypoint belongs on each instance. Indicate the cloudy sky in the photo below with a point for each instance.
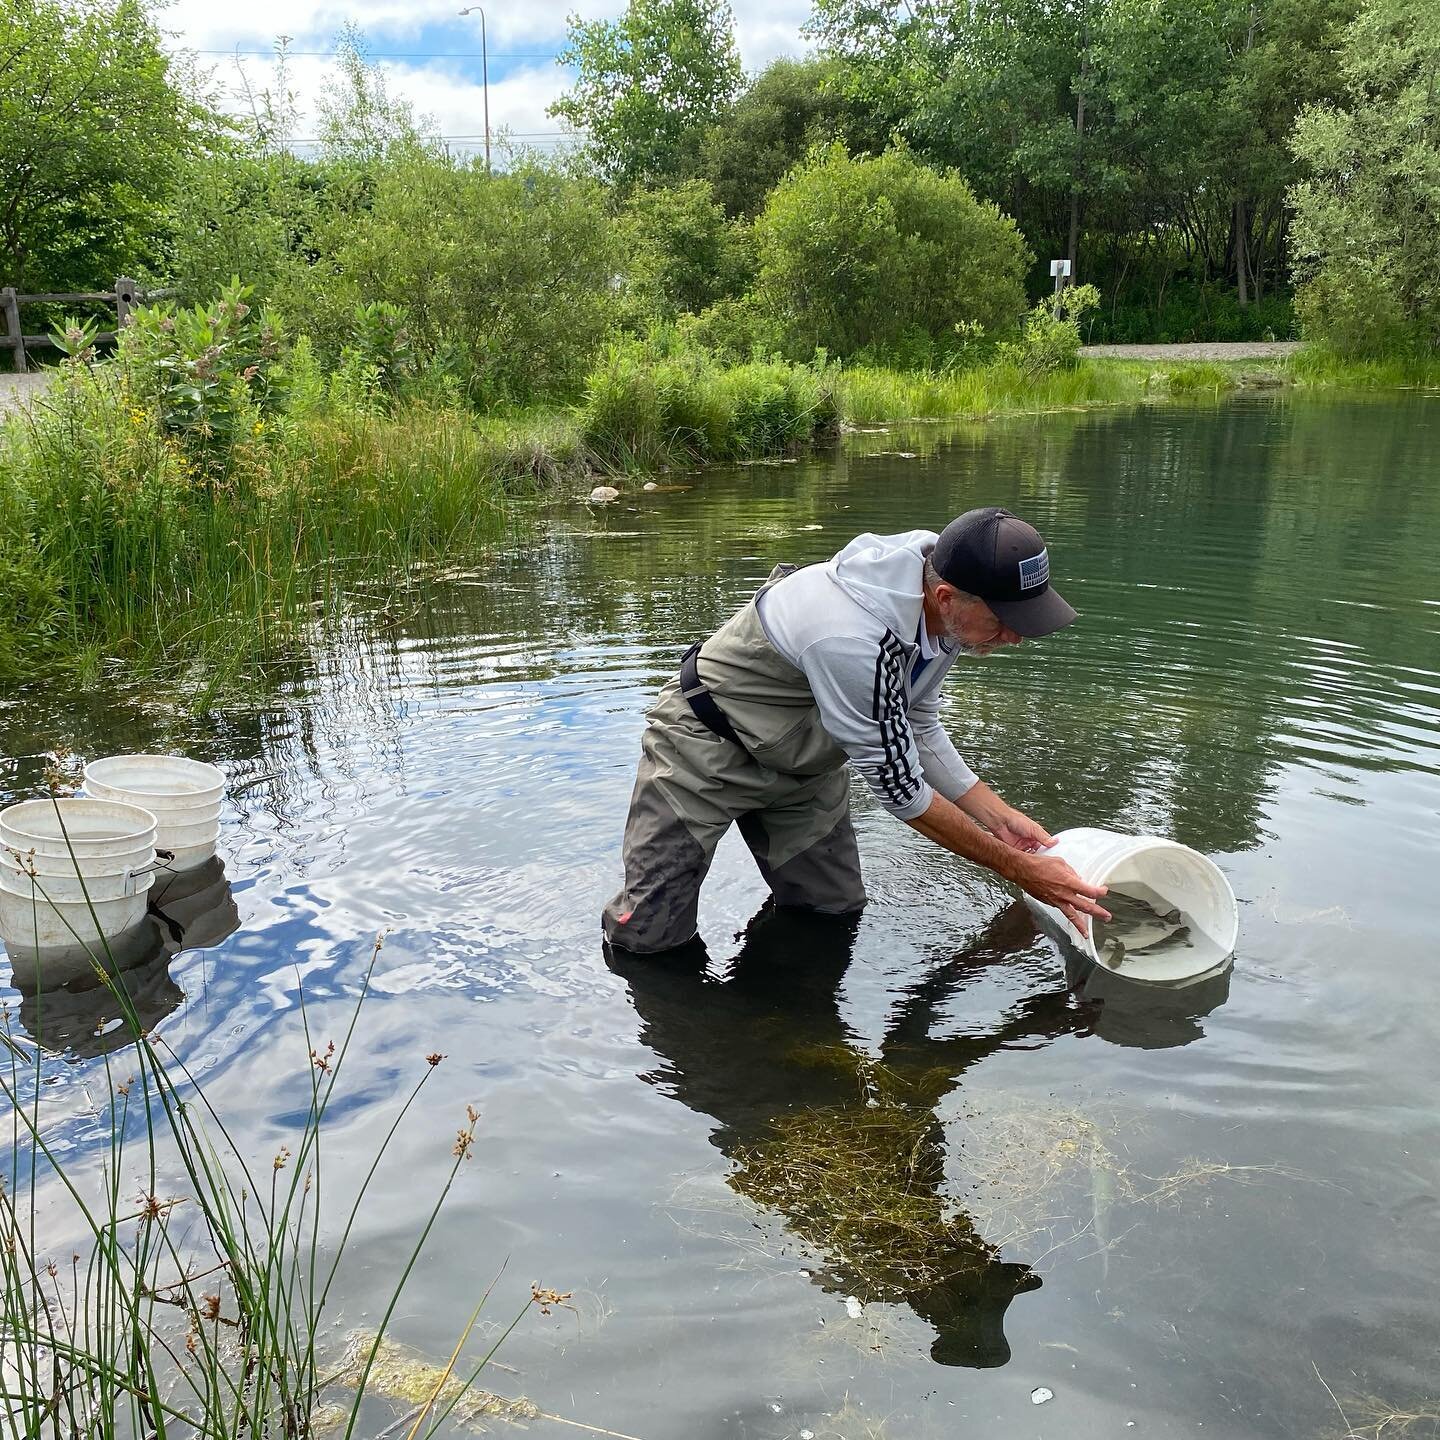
(431, 55)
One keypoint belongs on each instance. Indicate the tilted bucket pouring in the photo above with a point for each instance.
(1166, 875)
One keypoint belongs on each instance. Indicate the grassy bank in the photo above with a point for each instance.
(207, 551)
(1320, 366)
(118, 544)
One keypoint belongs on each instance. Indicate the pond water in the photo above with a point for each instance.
(1176, 1211)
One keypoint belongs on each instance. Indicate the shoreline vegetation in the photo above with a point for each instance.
(208, 549)
(206, 1304)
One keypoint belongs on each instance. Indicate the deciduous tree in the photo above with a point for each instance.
(93, 122)
(648, 85)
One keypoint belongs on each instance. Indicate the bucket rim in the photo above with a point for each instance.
(77, 804)
(59, 867)
(212, 776)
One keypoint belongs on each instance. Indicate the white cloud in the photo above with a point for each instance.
(448, 91)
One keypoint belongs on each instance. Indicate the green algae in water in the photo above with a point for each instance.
(865, 1183)
(401, 1374)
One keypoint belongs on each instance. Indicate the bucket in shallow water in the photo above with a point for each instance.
(1167, 876)
(18, 879)
(185, 796)
(34, 924)
(66, 867)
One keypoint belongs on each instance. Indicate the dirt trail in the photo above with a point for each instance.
(1201, 350)
(17, 389)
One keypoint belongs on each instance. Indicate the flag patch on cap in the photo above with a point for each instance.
(1035, 571)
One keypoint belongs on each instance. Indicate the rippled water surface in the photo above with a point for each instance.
(1175, 1210)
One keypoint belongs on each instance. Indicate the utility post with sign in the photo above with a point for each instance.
(1060, 269)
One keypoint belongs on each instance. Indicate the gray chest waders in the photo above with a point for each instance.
(697, 778)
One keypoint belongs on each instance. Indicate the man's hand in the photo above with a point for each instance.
(1013, 847)
(1052, 882)
(1020, 832)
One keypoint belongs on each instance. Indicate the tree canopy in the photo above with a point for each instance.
(648, 85)
(93, 125)
(879, 253)
(1368, 212)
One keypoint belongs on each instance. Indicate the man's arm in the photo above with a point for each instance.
(1004, 821)
(1047, 877)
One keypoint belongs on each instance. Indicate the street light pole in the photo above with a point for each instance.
(485, 74)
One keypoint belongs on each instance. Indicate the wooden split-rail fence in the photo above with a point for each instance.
(124, 298)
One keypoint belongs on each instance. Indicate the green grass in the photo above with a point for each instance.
(869, 396)
(171, 1285)
(114, 547)
(1199, 379)
(647, 408)
(1318, 365)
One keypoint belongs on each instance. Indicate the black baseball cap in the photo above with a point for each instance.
(997, 557)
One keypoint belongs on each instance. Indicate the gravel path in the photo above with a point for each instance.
(16, 389)
(1204, 350)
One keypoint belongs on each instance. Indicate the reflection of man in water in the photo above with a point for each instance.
(836, 663)
(768, 1044)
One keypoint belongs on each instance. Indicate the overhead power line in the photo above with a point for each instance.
(386, 54)
(533, 135)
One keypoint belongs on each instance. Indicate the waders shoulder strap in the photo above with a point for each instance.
(700, 700)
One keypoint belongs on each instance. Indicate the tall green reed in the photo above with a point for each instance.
(661, 403)
(118, 546)
(197, 1312)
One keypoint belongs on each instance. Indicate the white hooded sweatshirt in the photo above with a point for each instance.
(855, 626)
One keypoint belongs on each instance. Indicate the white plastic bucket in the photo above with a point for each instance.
(30, 862)
(88, 829)
(172, 781)
(188, 857)
(71, 887)
(186, 837)
(42, 925)
(1166, 874)
(185, 796)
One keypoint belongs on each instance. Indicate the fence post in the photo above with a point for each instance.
(124, 301)
(12, 327)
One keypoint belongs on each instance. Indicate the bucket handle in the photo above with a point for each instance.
(161, 860)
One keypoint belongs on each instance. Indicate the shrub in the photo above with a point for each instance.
(684, 254)
(1050, 339)
(510, 274)
(734, 330)
(1368, 208)
(648, 404)
(858, 253)
(1355, 312)
(208, 374)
